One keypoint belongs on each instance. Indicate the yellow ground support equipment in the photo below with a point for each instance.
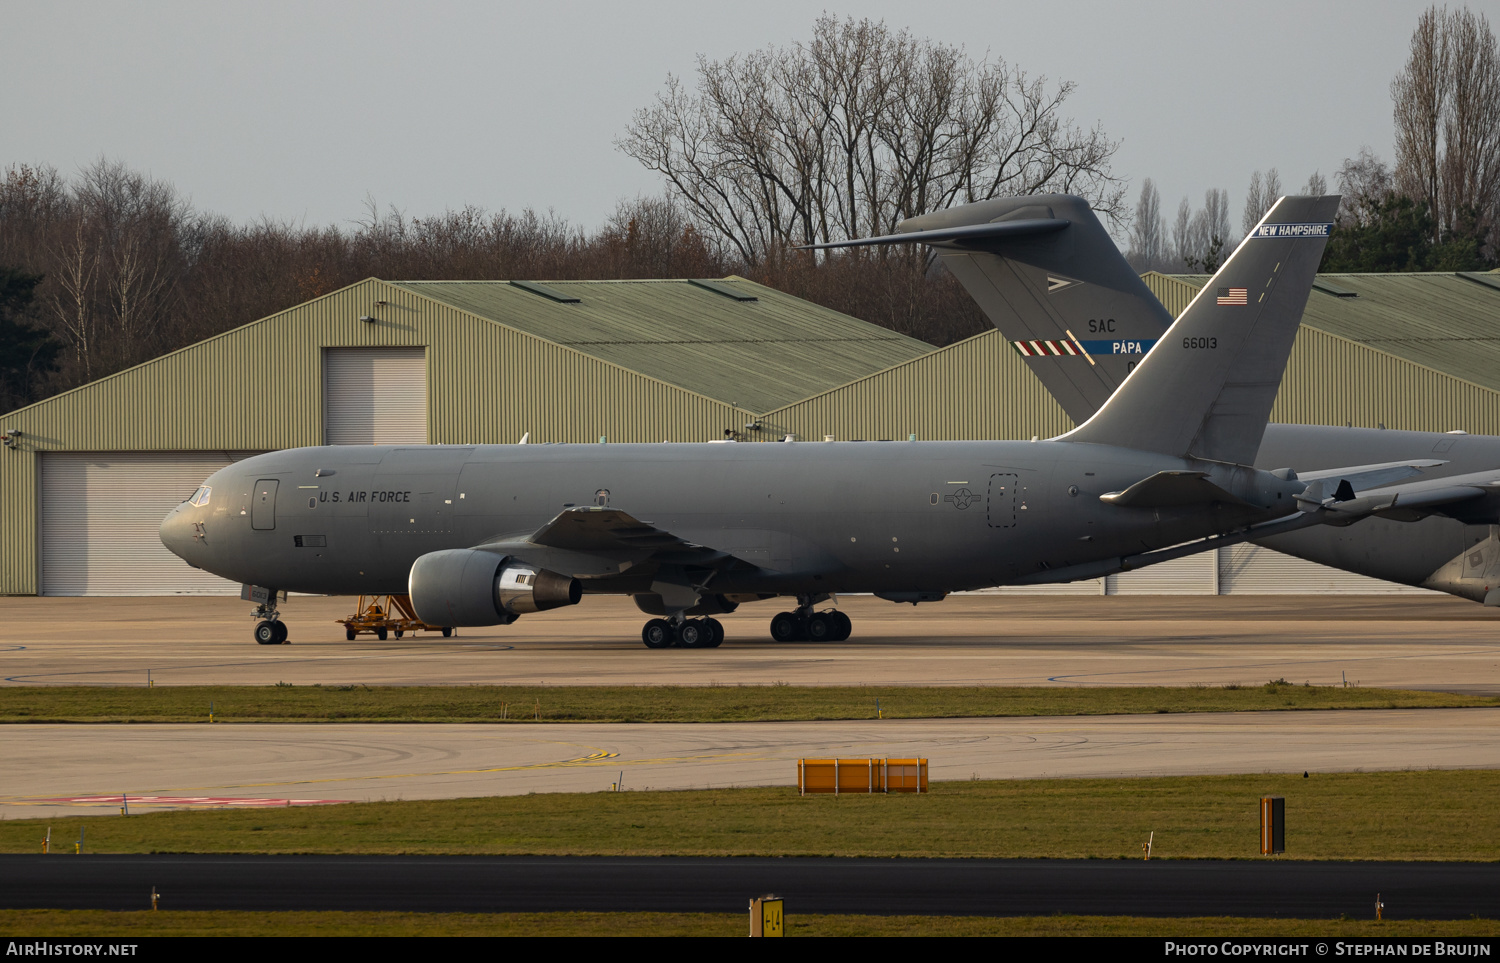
(394, 615)
(861, 775)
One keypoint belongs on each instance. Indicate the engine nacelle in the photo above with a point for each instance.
(465, 586)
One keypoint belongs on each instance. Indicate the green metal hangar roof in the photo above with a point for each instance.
(97, 468)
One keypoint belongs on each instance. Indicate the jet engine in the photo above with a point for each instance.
(471, 587)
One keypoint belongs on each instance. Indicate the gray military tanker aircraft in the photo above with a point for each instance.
(479, 535)
(1075, 309)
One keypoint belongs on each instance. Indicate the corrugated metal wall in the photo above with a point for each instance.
(976, 389)
(1331, 380)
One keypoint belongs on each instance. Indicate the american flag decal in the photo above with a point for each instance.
(1234, 296)
(1041, 349)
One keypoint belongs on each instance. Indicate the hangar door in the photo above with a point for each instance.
(100, 514)
(375, 396)
(1193, 575)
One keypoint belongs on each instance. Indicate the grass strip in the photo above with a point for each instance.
(525, 704)
(1409, 815)
(36, 924)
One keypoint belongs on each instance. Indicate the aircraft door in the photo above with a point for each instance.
(1000, 508)
(263, 505)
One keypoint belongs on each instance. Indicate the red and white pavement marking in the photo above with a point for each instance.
(176, 801)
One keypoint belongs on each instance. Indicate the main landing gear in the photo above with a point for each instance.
(805, 625)
(687, 634)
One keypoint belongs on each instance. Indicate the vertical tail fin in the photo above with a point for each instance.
(1207, 390)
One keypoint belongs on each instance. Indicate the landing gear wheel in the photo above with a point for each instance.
(270, 633)
(788, 627)
(717, 639)
(447, 632)
(844, 627)
(821, 627)
(692, 634)
(398, 633)
(380, 634)
(350, 634)
(658, 634)
(280, 632)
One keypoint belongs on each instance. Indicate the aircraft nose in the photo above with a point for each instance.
(177, 533)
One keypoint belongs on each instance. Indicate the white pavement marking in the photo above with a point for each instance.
(380, 761)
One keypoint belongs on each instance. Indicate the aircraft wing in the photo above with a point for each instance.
(592, 542)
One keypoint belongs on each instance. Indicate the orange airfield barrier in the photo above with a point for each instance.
(861, 775)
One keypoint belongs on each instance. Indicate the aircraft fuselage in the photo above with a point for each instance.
(810, 517)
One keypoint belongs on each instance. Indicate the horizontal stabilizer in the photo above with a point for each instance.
(1172, 489)
(1372, 476)
(963, 235)
(1404, 504)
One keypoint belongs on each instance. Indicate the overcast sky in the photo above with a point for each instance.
(298, 111)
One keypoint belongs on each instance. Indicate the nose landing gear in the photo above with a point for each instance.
(703, 633)
(269, 629)
(270, 632)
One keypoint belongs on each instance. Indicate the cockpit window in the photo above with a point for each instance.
(200, 497)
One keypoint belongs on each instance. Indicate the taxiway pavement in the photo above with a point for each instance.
(86, 769)
(1425, 642)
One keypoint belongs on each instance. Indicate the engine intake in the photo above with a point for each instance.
(467, 586)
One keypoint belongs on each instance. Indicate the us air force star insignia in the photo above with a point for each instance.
(961, 499)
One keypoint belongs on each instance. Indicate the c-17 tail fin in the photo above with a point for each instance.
(1206, 391)
(1049, 277)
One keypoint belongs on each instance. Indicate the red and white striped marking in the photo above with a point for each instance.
(1041, 349)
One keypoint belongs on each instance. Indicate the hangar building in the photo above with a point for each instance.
(92, 471)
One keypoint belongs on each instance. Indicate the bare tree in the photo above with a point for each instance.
(855, 130)
(1148, 231)
(1184, 244)
(1447, 118)
(1316, 186)
(1259, 198)
(1364, 182)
